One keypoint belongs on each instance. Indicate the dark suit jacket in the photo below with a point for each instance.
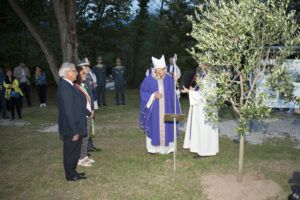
(71, 110)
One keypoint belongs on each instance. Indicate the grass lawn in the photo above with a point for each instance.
(31, 161)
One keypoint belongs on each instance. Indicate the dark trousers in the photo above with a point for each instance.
(71, 153)
(90, 143)
(14, 103)
(3, 103)
(101, 92)
(26, 91)
(120, 90)
(42, 89)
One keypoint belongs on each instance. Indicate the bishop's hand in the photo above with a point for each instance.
(158, 95)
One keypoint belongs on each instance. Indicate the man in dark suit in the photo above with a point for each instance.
(71, 120)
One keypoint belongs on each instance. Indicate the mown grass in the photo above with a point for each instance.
(31, 161)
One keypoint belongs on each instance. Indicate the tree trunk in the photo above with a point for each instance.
(241, 158)
(242, 129)
(67, 29)
(47, 52)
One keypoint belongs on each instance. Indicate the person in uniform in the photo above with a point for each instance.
(100, 71)
(119, 76)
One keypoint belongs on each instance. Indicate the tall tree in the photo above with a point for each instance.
(232, 41)
(139, 28)
(67, 29)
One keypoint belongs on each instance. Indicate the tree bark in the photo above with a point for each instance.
(241, 158)
(67, 29)
(241, 153)
(47, 52)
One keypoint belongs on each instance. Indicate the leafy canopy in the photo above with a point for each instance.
(232, 40)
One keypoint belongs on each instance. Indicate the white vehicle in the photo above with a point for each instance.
(294, 68)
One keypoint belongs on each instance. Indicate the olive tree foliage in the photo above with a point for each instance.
(232, 40)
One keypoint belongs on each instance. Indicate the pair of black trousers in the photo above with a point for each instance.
(120, 89)
(3, 103)
(101, 92)
(42, 89)
(71, 153)
(14, 103)
(25, 88)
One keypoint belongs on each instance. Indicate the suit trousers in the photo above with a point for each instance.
(71, 153)
(26, 91)
(120, 89)
(101, 92)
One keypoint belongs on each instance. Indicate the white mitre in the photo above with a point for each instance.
(159, 63)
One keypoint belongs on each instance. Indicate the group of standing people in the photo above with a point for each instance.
(119, 77)
(158, 97)
(80, 92)
(14, 84)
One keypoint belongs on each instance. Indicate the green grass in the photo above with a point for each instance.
(31, 162)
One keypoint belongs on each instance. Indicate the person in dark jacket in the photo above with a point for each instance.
(100, 71)
(85, 64)
(119, 76)
(2, 96)
(41, 85)
(71, 120)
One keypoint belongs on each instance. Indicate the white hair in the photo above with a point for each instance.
(66, 66)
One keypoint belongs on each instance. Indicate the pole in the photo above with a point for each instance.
(175, 129)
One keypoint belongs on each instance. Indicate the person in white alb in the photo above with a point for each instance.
(201, 135)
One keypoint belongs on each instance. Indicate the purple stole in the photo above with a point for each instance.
(150, 70)
(169, 67)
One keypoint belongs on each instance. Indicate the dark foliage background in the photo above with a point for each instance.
(105, 27)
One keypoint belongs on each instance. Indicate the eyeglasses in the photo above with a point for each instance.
(74, 71)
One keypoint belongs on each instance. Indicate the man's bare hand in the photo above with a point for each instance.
(75, 137)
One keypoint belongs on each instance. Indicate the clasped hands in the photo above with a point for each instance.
(158, 95)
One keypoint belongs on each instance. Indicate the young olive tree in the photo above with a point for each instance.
(232, 40)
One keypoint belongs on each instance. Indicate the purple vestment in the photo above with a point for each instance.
(150, 117)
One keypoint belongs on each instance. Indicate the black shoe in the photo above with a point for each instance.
(117, 104)
(80, 174)
(13, 118)
(77, 178)
(198, 156)
(123, 104)
(104, 104)
(20, 117)
(5, 117)
(88, 154)
(94, 149)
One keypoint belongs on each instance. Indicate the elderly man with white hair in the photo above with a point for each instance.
(157, 99)
(71, 120)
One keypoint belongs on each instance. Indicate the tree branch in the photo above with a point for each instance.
(47, 52)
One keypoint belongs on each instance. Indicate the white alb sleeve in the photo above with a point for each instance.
(151, 100)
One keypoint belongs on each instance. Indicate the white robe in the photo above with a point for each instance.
(201, 136)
